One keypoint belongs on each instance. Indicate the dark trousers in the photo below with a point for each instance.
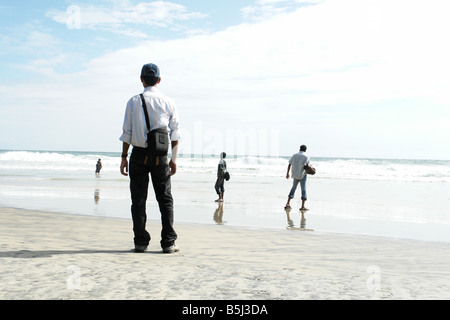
(141, 165)
(219, 186)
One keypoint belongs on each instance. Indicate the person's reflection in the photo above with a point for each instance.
(302, 220)
(218, 214)
(291, 222)
(288, 217)
(97, 196)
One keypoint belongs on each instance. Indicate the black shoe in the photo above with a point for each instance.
(140, 248)
(171, 249)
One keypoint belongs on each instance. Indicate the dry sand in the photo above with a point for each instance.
(59, 256)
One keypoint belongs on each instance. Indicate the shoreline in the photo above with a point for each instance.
(46, 255)
(399, 209)
(253, 215)
(317, 222)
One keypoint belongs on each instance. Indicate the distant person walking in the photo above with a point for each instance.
(98, 167)
(162, 114)
(220, 182)
(297, 163)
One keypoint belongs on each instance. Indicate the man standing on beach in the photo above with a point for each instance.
(163, 114)
(221, 170)
(98, 167)
(298, 162)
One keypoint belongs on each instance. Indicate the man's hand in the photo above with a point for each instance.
(124, 164)
(288, 170)
(124, 167)
(173, 168)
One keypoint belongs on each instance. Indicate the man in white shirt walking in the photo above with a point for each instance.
(297, 163)
(163, 114)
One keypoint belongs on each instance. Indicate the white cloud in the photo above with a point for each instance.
(266, 9)
(311, 73)
(123, 16)
(29, 40)
(37, 40)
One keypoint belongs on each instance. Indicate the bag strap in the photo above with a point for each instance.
(147, 120)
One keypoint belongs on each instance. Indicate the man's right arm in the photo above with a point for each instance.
(173, 160)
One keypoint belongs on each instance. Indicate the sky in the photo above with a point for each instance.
(347, 78)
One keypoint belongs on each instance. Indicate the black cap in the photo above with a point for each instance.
(150, 69)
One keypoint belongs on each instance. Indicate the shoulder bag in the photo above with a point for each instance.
(157, 139)
(309, 170)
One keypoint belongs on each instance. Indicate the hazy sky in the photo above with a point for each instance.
(348, 78)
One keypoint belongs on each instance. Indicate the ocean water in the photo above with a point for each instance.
(385, 197)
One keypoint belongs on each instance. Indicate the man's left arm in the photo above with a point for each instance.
(288, 169)
(124, 163)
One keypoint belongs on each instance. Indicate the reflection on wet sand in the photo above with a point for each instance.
(218, 214)
(97, 196)
(291, 222)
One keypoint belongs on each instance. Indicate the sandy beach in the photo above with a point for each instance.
(59, 256)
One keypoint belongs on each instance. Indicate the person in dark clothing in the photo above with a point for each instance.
(163, 114)
(221, 170)
(98, 167)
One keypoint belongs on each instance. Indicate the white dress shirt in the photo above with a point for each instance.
(162, 112)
